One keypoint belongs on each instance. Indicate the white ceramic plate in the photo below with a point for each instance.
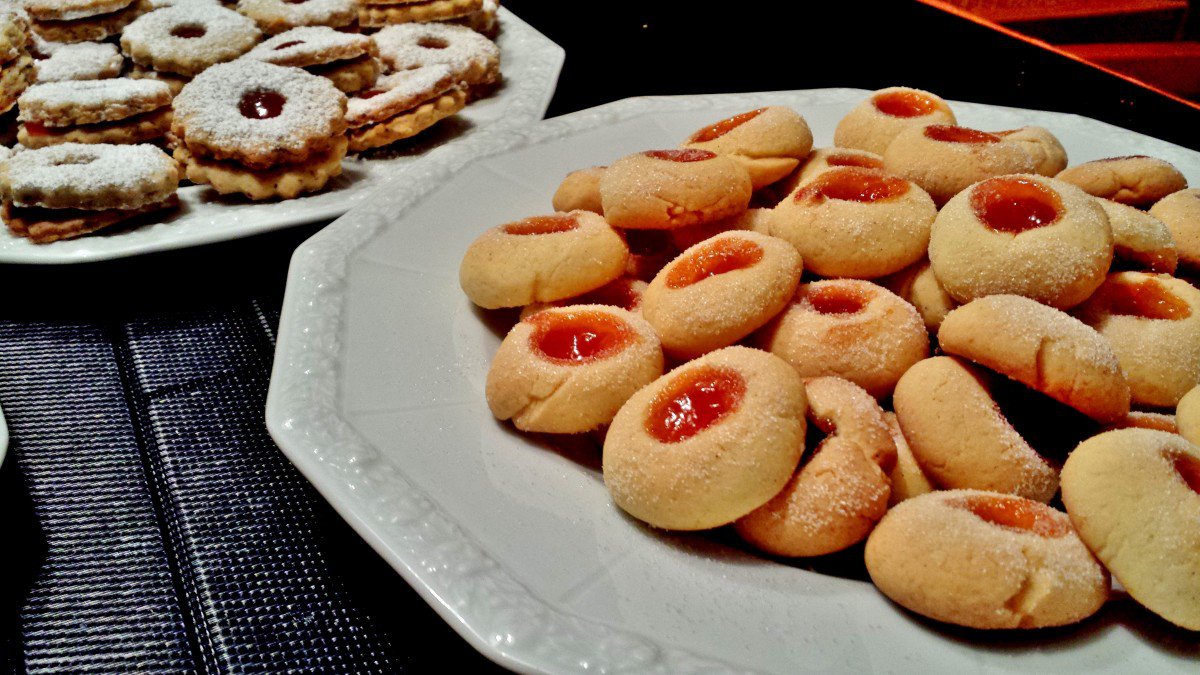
(530, 63)
(377, 396)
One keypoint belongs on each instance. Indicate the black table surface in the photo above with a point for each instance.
(149, 522)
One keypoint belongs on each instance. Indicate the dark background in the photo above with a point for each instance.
(94, 358)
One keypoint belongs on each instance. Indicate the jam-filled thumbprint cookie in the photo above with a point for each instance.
(876, 121)
(665, 189)
(770, 142)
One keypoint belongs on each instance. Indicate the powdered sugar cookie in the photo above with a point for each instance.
(174, 82)
(13, 80)
(838, 494)
(14, 33)
(708, 442)
(944, 159)
(277, 16)
(985, 560)
(1134, 497)
(1140, 241)
(769, 142)
(1026, 235)
(120, 110)
(721, 290)
(1180, 212)
(485, 21)
(45, 226)
(68, 10)
(851, 329)
(378, 13)
(1136, 180)
(664, 189)
(872, 124)
(569, 370)
(88, 29)
(409, 123)
(542, 259)
(1049, 156)
(286, 181)
(474, 59)
(187, 39)
(84, 61)
(313, 46)
(401, 105)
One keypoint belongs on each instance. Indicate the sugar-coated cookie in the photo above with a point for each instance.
(1180, 212)
(580, 190)
(1140, 241)
(1026, 235)
(961, 438)
(1043, 348)
(721, 290)
(770, 142)
(1136, 180)
(985, 560)
(838, 494)
(874, 123)
(849, 328)
(1187, 416)
(919, 286)
(567, 370)
(187, 39)
(1152, 322)
(708, 442)
(542, 259)
(1134, 497)
(751, 220)
(852, 222)
(823, 159)
(944, 159)
(1049, 156)
(664, 189)
(907, 478)
(623, 292)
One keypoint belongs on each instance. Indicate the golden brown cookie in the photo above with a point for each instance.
(407, 124)
(1187, 416)
(919, 286)
(770, 142)
(1136, 180)
(377, 13)
(907, 478)
(874, 123)
(665, 189)
(278, 16)
(45, 226)
(351, 75)
(580, 190)
(623, 292)
(1180, 212)
(823, 159)
(142, 128)
(1049, 156)
(944, 159)
(285, 181)
(1140, 241)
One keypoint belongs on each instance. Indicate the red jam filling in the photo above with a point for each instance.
(261, 105)
(1016, 513)
(189, 31)
(619, 293)
(1188, 468)
(574, 338)
(718, 257)
(847, 159)
(837, 300)
(688, 155)
(36, 129)
(905, 104)
(370, 93)
(289, 43)
(1015, 205)
(852, 185)
(693, 401)
(948, 133)
(542, 225)
(1148, 299)
(723, 127)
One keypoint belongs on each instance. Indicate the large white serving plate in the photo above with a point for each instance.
(530, 64)
(377, 396)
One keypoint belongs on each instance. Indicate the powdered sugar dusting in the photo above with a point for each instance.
(401, 46)
(307, 45)
(400, 91)
(91, 169)
(83, 61)
(68, 98)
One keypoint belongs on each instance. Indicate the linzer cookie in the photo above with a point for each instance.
(378, 13)
(187, 39)
(402, 105)
(474, 59)
(261, 130)
(81, 20)
(277, 16)
(485, 21)
(15, 62)
(69, 190)
(346, 59)
(119, 111)
(83, 61)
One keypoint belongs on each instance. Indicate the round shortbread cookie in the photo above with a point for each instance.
(580, 190)
(770, 142)
(569, 370)
(70, 10)
(259, 114)
(382, 14)
(750, 220)
(313, 46)
(1152, 322)
(838, 494)
(708, 442)
(985, 560)
(542, 259)
(1136, 180)
(188, 39)
(84, 61)
(919, 286)
(852, 222)
(623, 292)
(1134, 497)
(823, 159)
(875, 122)
(665, 189)
(141, 128)
(407, 124)
(945, 159)
(1026, 235)
(1180, 212)
(75, 176)
(285, 181)
(398, 93)
(474, 59)
(721, 290)
(1187, 416)
(74, 102)
(1140, 240)
(961, 438)
(1049, 156)
(278, 16)
(851, 329)
(1043, 348)
(907, 478)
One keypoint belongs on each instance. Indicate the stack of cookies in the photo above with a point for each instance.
(379, 13)
(120, 111)
(81, 20)
(15, 62)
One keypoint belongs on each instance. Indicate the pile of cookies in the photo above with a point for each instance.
(196, 80)
(841, 347)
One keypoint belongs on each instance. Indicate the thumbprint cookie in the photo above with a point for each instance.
(944, 159)
(1136, 180)
(875, 122)
(770, 142)
(665, 189)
